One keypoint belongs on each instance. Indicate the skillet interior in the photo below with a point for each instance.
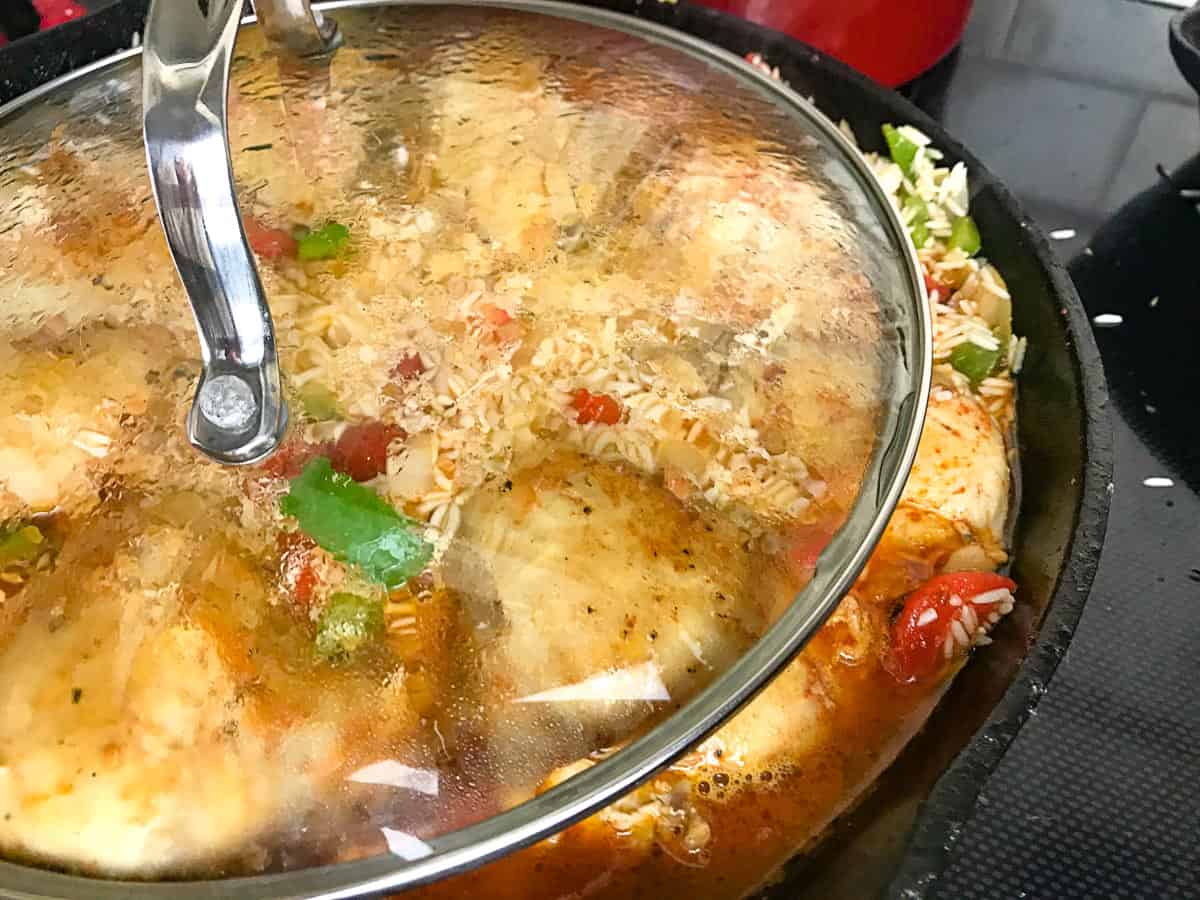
(896, 842)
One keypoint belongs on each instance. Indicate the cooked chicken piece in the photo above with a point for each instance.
(83, 243)
(296, 132)
(124, 749)
(823, 402)
(961, 471)
(589, 584)
(64, 417)
(527, 187)
(816, 728)
(175, 719)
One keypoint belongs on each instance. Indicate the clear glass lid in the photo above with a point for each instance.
(605, 362)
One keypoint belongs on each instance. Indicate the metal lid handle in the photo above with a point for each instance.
(239, 414)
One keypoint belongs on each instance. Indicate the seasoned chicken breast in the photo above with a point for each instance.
(596, 592)
(175, 718)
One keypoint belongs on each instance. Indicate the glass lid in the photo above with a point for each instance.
(605, 361)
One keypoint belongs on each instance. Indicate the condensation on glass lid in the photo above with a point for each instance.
(587, 358)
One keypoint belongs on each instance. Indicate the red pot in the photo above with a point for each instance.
(892, 41)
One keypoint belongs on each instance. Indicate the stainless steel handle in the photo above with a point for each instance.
(296, 26)
(239, 414)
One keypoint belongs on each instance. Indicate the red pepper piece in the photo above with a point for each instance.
(410, 366)
(591, 407)
(269, 243)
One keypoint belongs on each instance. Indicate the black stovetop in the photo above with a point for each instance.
(1078, 106)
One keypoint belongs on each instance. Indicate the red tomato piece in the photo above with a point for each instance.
(494, 314)
(924, 634)
(290, 458)
(361, 451)
(932, 284)
(269, 243)
(591, 407)
(297, 572)
(410, 366)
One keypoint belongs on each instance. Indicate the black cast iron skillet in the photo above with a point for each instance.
(897, 842)
(1185, 44)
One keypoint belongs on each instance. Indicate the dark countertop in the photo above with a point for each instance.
(1078, 106)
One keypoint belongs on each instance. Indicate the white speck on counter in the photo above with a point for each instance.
(1151, 408)
(400, 157)
(1158, 481)
(1153, 302)
(1107, 320)
(1062, 234)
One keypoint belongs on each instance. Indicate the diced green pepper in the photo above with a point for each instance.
(902, 150)
(325, 242)
(347, 624)
(915, 209)
(976, 362)
(916, 214)
(354, 524)
(318, 401)
(23, 544)
(964, 234)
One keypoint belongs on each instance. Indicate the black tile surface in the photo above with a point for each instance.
(1077, 105)
(1115, 42)
(1016, 117)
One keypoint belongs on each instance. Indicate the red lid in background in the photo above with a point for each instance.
(49, 14)
(892, 41)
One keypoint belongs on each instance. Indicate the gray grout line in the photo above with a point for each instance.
(1185, 97)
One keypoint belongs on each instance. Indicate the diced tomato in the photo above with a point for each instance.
(361, 451)
(269, 243)
(510, 331)
(409, 367)
(494, 315)
(290, 458)
(591, 407)
(932, 284)
(923, 635)
(297, 572)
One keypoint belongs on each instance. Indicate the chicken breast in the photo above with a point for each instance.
(129, 754)
(595, 591)
(831, 721)
(961, 471)
(176, 720)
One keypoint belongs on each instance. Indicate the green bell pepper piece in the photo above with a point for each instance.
(347, 624)
(976, 362)
(354, 524)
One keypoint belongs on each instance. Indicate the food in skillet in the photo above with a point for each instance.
(578, 407)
